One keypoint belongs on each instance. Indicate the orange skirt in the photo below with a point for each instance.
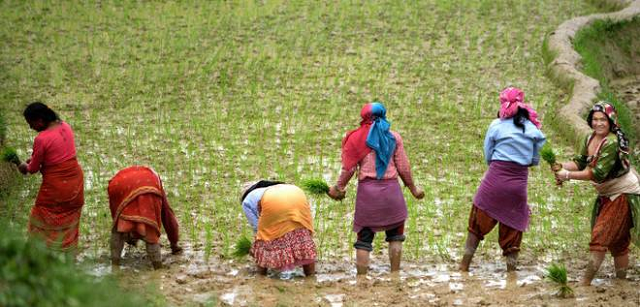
(55, 218)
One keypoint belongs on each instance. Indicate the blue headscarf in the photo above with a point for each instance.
(380, 138)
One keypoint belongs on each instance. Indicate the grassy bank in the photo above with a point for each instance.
(217, 93)
(610, 50)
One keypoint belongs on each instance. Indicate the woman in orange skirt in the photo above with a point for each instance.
(280, 215)
(139, 208)
(56, 214)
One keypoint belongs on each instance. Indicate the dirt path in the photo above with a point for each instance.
(188, 279)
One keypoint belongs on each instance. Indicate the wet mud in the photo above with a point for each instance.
(189, 279)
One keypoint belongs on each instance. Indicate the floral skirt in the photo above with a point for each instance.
(295, 248)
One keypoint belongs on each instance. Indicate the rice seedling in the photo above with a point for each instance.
(282, 87)
(315, 186)
(242, 248)
(557, 273)
(548, 154)
(10, 155)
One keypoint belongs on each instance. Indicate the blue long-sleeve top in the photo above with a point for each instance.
(250, 207)
(506, 142)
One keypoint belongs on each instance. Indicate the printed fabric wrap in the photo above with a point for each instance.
(606, 165)
(139, 205)
(55, 218)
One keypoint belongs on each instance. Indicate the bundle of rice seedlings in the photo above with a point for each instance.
(315, 186)
(243, 246)
(547, 154)
(10, 155)
(558, 274)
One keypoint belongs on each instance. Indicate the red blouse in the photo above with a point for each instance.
(52, 146)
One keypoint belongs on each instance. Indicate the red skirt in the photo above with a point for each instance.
(295, 248)
(55, 217)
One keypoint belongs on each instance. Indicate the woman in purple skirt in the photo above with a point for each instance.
(378, 155)
(511, 146)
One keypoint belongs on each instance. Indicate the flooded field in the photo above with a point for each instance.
(220, 93)
(188, 279)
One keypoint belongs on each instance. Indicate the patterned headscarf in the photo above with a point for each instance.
(608, 110)
(511, 99)
(373, 134)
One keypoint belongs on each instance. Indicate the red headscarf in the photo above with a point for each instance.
(354, 144)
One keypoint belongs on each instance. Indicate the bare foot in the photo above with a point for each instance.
(465, 263)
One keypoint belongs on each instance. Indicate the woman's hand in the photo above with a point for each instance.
(556, 167)
(23, 168)
(418, 193)
(562, 175)
(336, 193)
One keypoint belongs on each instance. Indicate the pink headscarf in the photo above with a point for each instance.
(511, 99)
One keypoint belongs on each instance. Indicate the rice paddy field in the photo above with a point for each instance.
(214, 94)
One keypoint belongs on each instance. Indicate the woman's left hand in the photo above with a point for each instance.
(335, 193)
(23, 168)
(562, 175)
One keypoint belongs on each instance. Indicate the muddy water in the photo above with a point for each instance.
(189, 279)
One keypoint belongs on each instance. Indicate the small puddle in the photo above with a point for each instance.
(335, 300)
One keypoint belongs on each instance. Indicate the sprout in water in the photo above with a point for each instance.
(243, 246)
(10, 155)
(315, 186)
(558, 274)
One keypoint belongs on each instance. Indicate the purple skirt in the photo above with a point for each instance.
(503, 194)
(380, 205)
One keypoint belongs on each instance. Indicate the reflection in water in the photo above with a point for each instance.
(229, 297)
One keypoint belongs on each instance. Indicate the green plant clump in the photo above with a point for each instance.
(558, 274)
(243, 246)
(315, 186)
(548, 154)
(10, 155)
(33, 275)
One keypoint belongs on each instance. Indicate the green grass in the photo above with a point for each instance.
(215, 94)
(32, 275)
(557, 273)
(315, 186)
(9, 154)
(3, 127)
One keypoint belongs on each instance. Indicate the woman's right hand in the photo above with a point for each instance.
(418, 193)
(336, 193)
(23, 168)
(556, 167)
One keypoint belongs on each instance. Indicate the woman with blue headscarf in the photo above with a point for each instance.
(378, 155)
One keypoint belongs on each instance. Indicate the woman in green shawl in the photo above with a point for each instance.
(603, 160)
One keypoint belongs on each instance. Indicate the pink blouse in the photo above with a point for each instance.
(52, 146)
(399, 165)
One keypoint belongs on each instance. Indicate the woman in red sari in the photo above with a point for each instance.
(55, 217)
(139, 208)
